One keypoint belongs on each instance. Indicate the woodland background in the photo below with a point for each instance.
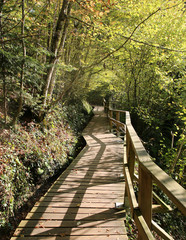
(56, 55)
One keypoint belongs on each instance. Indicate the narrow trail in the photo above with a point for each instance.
(80, 205)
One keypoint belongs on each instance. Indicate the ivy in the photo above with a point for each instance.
(33, 153)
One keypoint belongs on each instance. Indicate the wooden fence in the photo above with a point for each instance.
(139, 167)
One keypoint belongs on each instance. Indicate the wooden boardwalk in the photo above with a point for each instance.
(81, 203)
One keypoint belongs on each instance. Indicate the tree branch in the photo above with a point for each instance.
(19, 22)
(117, 49)
(153, 45)
(164, 9)
(90, 25)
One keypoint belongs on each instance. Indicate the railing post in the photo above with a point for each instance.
(118, 116)
(130, 160)
(145, 196)
(118, 119)
(130, 155)
(110, 121)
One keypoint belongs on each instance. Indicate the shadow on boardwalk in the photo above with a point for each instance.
(81, 203)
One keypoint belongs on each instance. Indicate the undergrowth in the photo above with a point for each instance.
(32, 153)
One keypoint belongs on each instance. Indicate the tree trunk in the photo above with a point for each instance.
(23, 65)
(4, 91)
(61, 47)
(128, 94)
(178, 155)
(56, 44)
(3, 66)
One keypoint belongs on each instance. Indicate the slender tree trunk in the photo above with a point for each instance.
(23, 65)
(67, 56)
(3, 65)
(135, 92)
(4, 90)
(128, 94)
(55, 48)
(61, 47)
(150, 92)
(178, 155)
(88, 49)
(67, 89)
(49, 33)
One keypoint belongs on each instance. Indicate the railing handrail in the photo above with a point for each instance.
(173, 189)
(148, 172)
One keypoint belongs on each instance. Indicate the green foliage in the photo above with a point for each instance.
(78, 113)
(173, 222)
(31, 154)
(132, 232)
(133, 50)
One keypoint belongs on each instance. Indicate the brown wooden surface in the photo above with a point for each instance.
(81, 203)
(148, 172)
(145, 195)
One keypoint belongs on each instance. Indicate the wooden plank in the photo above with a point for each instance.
(165, 206)
(70, 224)
(76, 216)
(103, 187)
(83, 195)
(160, 231)
(80, 189)
(93, 179)
(69, 231)
(79, 200)
(106, 237)
(130, 190)
(91, 167)
(144, 231)
(75, 205)
(70, 210)
(111, 162)
(100, 183)
(85, 191)
(93, 174)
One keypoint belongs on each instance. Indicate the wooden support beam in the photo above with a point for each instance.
(145, 195)
(130, 191)
(160, 231)
(144, 232)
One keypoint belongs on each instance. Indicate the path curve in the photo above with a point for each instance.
(80, 205)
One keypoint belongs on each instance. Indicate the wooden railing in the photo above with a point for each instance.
(136, 159)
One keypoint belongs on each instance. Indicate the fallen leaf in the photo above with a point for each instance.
(62, 234)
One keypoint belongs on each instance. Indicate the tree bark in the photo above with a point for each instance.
(57, 43)
(178, 155)
(23, 65)
(3, 66)
(61, 47)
